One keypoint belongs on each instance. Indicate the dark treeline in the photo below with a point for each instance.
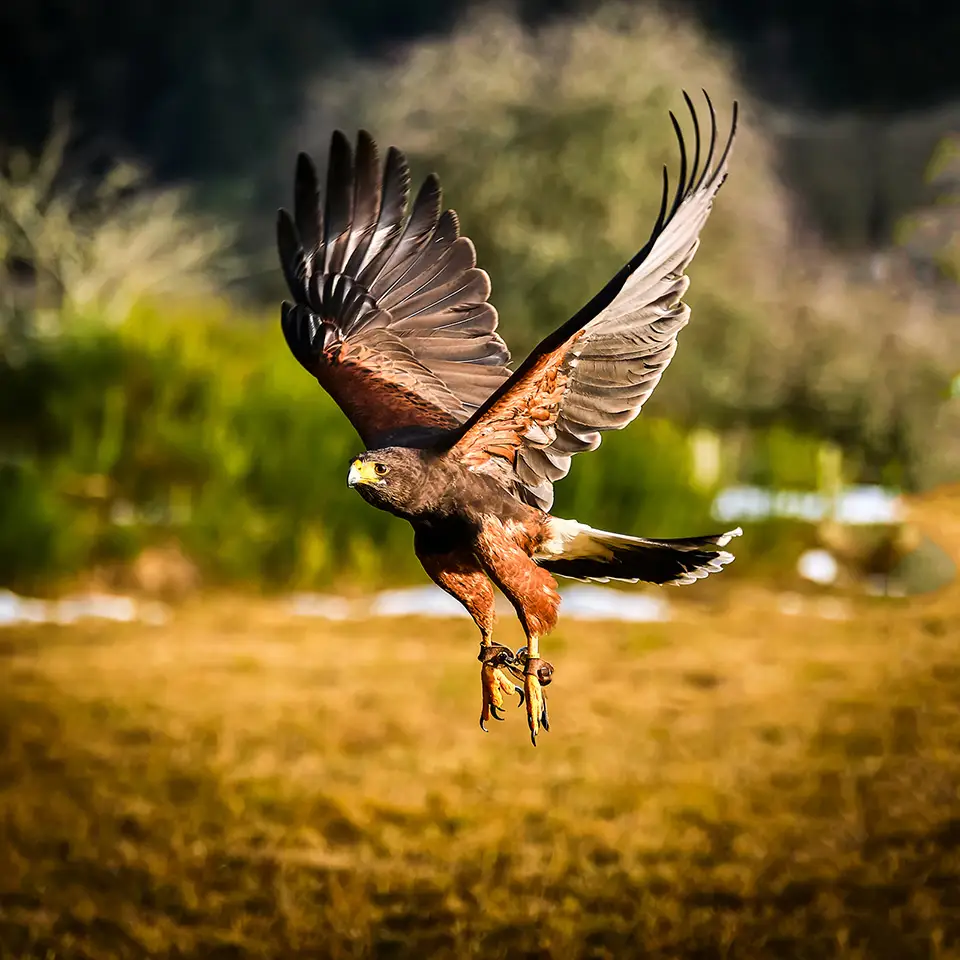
(200, 90)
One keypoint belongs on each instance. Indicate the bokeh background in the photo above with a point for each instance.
(252, 761)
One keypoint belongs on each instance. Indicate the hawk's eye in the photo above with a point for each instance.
(382, 469)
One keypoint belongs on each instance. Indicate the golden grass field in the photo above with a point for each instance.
(736, 783)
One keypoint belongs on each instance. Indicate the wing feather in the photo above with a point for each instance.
(306, 207)
(338, 208)
(390, 312)
(366, 200)
(596, 371)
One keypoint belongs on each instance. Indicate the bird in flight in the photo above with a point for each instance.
(392, 316)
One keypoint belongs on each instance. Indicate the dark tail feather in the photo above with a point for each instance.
(601, 556)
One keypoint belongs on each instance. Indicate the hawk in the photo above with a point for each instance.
(392, 316)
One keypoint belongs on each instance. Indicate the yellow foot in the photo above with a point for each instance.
(495, 661)
(537, 674)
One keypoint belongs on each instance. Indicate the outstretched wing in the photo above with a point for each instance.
(596, 371)
(390, 314)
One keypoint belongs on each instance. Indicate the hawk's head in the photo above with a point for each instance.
(392, 478)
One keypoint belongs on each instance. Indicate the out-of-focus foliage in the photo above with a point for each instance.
(69, 247)
(932, 235)
(201, 426)
(204, 89)
(184, 417)
(550, 145)
(858, 175)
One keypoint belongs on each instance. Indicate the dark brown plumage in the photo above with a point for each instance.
(391, 315)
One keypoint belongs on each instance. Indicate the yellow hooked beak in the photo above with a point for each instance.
(362, 471)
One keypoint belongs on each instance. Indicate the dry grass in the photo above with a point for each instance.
(736, 783)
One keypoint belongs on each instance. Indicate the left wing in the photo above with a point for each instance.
(391, 313)
(596, 371)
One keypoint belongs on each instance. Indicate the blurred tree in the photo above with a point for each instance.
(195, 89)
(68, 247)
(932, 234)
(202, 88)
(546, 144)
(862, 55)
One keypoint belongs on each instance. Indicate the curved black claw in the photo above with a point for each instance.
(544, 719)
(499, 662)
(520, 695)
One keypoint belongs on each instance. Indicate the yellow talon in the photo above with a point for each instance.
(534, 695)
(499, 672)
(537, 675)
(494, 681)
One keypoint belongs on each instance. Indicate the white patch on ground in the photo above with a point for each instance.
(858, 504)
(818, 566)
(15, 609)
(823, 608)
(416, 602)
(578, 603)
(602, 603)
(327, 606)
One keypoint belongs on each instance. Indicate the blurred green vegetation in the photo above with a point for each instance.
(191, 425)
(550, 145)
(146, 398)
(200, 426)
(195, 425)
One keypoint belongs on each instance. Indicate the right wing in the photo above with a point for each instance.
(596, 371)
(390, 314)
